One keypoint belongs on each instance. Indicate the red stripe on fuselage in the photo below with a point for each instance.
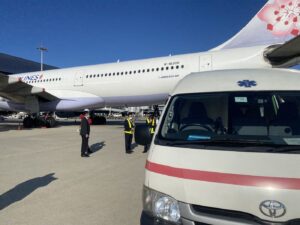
(225, 178)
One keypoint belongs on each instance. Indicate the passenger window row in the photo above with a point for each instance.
(43, 80)
(166, 68)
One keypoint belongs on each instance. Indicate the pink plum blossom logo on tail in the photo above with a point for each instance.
(282, 17)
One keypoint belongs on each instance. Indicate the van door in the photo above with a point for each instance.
(78, 80)
(205, 63)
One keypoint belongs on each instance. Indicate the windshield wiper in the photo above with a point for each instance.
(218, 141)
(268, 146)
(173, 143)
(286, 148)
(242, 140)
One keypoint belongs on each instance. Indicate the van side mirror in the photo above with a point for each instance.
(142, 134)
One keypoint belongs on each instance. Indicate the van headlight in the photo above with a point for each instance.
(161, 205)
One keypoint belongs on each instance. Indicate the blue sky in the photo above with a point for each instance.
(84, 32)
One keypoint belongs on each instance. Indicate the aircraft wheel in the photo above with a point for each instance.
(28, 122)
(40, 122)
(102, 120)
(51, 122)
(99, 120)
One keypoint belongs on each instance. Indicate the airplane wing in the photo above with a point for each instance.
(285, 55)
(15, 89)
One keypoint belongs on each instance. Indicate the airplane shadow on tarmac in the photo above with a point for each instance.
(97, 146)
(11, 125)
(24, 189)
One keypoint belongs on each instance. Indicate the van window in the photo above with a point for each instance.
(252, 118)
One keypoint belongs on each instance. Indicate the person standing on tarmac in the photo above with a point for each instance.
(151, 123)
(85, 134)
(128, 131)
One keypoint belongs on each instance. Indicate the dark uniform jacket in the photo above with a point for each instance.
(85, 127)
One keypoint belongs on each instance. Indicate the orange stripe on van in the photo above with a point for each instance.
(225, 178)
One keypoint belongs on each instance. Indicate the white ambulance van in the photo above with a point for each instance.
(226, 151)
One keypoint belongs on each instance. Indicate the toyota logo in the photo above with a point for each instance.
(273, 209)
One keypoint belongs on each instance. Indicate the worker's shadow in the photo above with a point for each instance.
(97, 146)
(24, 189)
(11, 126)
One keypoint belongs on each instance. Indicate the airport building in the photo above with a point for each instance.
(11, 64)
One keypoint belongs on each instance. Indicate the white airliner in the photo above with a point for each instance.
(270, 39)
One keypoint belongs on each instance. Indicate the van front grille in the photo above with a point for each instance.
(227, 215)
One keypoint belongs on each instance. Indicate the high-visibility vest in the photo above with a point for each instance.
(152, 126)
(130, 130)
(148, 121)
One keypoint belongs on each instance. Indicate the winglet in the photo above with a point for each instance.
(13, 80)
(6, 80)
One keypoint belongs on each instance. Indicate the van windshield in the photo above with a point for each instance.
(251, 118)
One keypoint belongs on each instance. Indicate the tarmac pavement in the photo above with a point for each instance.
(44, 181)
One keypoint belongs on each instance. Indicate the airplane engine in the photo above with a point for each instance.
(72, 104)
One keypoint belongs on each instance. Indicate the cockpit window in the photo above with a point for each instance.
(242, 117)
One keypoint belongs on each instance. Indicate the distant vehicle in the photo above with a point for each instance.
(19, 115)
(98, 115)
(116, 115)
(226, 151)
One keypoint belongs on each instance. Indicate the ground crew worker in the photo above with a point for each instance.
(128, 131)
(151, 123)
(85, 134)
(148, 124)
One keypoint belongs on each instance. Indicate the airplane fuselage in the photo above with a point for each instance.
(133, 83)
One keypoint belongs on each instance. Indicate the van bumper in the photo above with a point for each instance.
(147, 219)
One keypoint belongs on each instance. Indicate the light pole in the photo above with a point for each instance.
(42, 50)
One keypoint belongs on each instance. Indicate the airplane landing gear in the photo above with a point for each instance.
(50, 122)
(98, 120)
(28, 122)
(40, 121)
(156, 111)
